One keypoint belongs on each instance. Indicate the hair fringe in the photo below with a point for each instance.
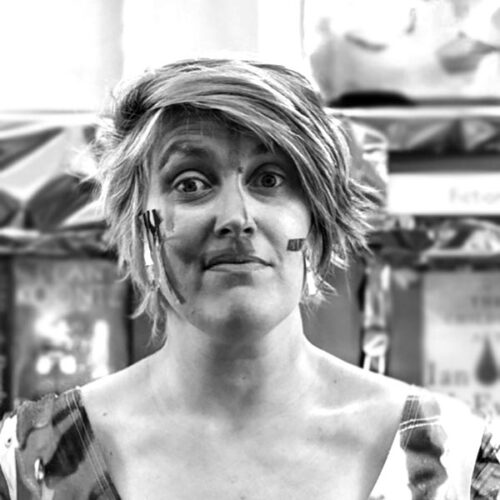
(276, 104)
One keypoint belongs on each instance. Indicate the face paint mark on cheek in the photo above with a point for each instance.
(156, 241)
(169, 221)
(183, 240)
(172, 282)
(185, 237)
(295, 245)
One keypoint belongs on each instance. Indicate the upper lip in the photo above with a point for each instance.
(228, 257)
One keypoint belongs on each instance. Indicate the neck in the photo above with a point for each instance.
(242, 376)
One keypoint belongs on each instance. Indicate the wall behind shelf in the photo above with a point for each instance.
(67, 56)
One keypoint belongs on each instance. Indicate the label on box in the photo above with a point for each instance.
(461, 336)
(444, 193)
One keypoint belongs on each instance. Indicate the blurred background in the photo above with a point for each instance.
(416, 81)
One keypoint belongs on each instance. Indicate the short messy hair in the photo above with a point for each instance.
(276, 104)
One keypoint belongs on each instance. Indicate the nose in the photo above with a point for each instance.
(234, 213)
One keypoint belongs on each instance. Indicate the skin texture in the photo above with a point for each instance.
(217, 191)
(237, 404)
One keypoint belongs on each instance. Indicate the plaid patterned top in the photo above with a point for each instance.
(441, 451)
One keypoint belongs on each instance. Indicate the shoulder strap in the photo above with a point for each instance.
(36, 442)
(56, 454)
(486, 476)
(438, 441)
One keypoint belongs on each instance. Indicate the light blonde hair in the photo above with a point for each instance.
(276, 104)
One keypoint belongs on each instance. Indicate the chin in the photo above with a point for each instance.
(244, 312)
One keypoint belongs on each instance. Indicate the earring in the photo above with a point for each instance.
(150, 256)
(159, 265)
(151, 273)
(311, 288)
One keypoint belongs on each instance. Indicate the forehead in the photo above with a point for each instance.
(206, 137)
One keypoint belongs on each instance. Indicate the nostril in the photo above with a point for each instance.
(235, 230)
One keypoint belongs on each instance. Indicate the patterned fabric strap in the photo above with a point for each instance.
(434, 454)
(47, 450)
(486, 477)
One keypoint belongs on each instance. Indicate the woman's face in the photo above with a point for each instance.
(228, 206)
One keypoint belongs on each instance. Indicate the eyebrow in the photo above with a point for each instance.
(185, 148)
(188, 148)
(261, 149)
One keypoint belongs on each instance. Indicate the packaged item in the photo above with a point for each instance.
(402, 51)
(68, 323)
(461, 335)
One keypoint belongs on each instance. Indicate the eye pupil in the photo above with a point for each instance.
(189, 186)
(268, 180)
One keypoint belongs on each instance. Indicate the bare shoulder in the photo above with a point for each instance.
(108, 400)
(361, 414)
(365, 399)
(351, 383)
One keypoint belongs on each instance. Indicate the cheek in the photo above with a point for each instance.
(291, 222)
(295, 223)
(188, 231)
(183, 248)
(182, 245)
(184, 234)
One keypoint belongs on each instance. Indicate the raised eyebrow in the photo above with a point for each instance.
(184, 148)
(262, 148)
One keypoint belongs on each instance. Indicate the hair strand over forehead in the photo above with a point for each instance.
(276, 104)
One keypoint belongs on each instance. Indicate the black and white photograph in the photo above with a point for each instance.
(249, 249)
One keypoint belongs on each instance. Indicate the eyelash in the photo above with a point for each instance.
(280, 178)
(188, 179)
(176, 185)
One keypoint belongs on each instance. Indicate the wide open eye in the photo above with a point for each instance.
(191, 185)
(268, 179)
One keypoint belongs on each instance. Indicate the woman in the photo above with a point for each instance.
(228, 196)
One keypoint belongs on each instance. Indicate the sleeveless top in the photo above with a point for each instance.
(441, 451)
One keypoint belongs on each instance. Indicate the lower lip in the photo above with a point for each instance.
(243, 267)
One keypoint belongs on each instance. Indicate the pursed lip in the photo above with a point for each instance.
(232, 258)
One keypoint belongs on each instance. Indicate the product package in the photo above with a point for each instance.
(68, 324)
(461, 335)
(403, 51)
(64, 313)
(441, 305)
